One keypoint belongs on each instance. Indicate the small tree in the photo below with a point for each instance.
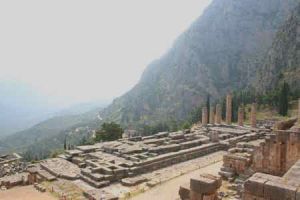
(109, 132)
(208, 106)
(283, 99)
(65, 143)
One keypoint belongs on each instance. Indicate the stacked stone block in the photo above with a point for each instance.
(278, 153)
(267, 187)
(204, 187)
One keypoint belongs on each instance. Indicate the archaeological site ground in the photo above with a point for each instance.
(212, 160)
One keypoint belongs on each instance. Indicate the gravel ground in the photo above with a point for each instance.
(25, 193)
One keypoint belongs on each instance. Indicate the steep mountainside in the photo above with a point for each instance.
(221, 51)
(283, 60)
(40, 140)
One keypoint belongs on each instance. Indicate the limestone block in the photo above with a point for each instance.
(195, 196)
(184, 192)
(209, 197)
(203, 185)
(298, 194)
(255, 185)
(279, 191)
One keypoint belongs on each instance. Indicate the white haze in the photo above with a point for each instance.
(85, 50)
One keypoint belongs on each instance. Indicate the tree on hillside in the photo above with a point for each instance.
(65, 143)
(109, 132)
(208, 106)
(284, 99)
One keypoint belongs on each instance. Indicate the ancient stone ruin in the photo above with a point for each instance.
(260, 163)
(228, 109)
(204, 116)
(203, 187)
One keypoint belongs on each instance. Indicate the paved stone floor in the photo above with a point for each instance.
(169, 189)
(165, 177)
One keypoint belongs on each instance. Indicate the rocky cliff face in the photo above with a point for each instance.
(282, 62)
(221, 51)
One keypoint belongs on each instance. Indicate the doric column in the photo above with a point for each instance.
(218, 114)
(298, 111)
(204, 116)
(241, 116)
(211, 115)
(228, 109)
(253, 115)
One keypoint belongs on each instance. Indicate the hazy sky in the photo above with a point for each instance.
(84, 50)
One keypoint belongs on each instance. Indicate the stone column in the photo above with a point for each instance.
(298, 111)
(204, 116)
(211, 115)
(228, 109)
(253, 115)
(218, 114)
(241, 116)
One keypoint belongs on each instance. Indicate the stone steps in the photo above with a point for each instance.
(46, 175)
(96, 184)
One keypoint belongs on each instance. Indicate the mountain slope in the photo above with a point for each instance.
(221, 51)
(283, 59)
(40, 140)
(21, 107)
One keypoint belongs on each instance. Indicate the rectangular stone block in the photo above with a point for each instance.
(195, 195)
(255, 185)
(184, 192)
(298, 194)
(279, 191)
(203, 185)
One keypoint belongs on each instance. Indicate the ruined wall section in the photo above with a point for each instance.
(278, 153)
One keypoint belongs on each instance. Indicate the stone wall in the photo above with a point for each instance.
(278, 153)
(267, 187)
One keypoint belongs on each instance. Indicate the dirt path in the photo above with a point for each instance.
(169, 189)
(25, 193)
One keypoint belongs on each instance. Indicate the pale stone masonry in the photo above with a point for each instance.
(204, 116)
(218, 114)
(253, 115)
(264, 186)
(278, 153)
(241, 116)
(299, 112)
(204, 187)
(228, 109)
(211, 115)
